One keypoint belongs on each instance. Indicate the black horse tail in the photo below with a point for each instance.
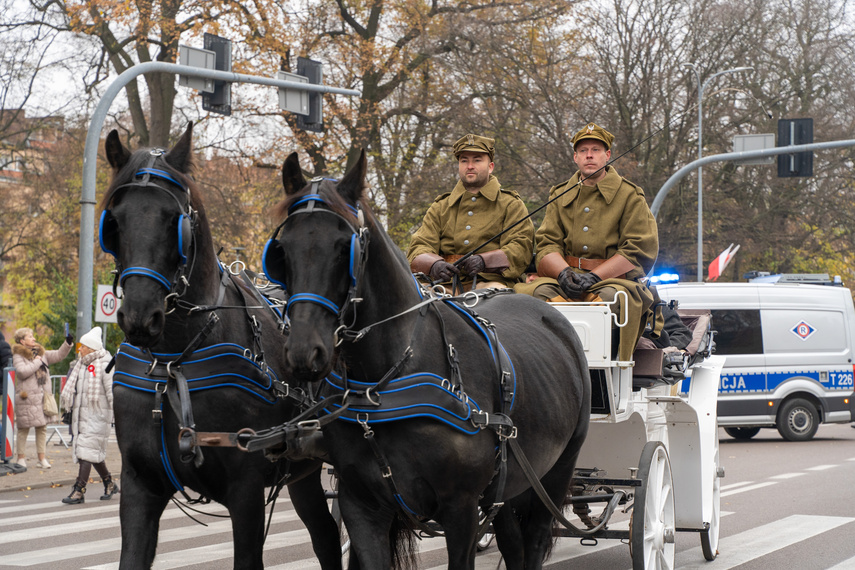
(402, 537)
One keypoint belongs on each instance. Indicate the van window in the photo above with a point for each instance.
(737, 331)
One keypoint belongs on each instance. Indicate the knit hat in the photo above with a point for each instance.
(92, 339)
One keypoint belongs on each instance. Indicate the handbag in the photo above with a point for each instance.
(66, 417)
(50, 407)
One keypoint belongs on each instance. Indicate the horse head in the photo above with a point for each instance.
(317, 259)
(149, 220)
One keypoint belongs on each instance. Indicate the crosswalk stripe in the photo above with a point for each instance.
(845, 565)
(753, 487)
(821, 467)
(785, 476)
(760, 541)
(214, 552)
(79, 549)
(99, 522)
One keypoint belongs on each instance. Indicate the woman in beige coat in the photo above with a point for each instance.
(32, 380)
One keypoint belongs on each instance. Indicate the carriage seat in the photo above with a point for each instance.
(658, 366)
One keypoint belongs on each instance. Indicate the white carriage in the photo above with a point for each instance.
(652, 450)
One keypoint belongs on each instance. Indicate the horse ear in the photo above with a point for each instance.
(292, 175)
(353, 183)
(117, 155)
(181, 155)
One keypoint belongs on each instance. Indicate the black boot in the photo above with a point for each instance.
(76, 497)
(110, 489)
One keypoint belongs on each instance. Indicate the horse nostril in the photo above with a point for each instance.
(155, 323)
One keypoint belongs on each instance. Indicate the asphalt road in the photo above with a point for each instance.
(784, 505)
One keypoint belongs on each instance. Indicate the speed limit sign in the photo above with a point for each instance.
(107, 304)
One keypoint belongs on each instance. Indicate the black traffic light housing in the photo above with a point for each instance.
(314, 70)
(795, 132)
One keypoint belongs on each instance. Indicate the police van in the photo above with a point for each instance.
(789, 343)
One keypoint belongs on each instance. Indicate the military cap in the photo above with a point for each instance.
(592, 131)
(474, 143)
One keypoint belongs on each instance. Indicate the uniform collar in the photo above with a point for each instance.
(489, 191)
(608, 186)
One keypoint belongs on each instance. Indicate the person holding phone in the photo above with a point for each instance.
(32, 381)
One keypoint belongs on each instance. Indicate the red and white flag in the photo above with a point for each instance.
(719, 263)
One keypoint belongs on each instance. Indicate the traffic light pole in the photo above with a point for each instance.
(86, 252)
(737, 156)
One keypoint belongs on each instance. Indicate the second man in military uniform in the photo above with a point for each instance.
(597, 238)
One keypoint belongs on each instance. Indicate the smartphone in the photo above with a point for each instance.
(66, 329)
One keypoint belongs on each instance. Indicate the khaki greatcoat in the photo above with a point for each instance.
(598, 222)
(459, 221)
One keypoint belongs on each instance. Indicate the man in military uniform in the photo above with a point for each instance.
(476, 210)
(598, 238)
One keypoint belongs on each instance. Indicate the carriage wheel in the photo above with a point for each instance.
(709, 537)
(651, 537)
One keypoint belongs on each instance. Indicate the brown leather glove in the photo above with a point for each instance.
(473, 265)
(442, 271)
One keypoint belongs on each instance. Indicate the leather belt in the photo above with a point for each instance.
(583, 262)
(587, 264)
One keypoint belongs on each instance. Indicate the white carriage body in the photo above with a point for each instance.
(630, 417)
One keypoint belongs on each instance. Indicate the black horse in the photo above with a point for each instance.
(155, 225)
(359, 320)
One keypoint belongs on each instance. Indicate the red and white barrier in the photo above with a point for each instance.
(8, 423)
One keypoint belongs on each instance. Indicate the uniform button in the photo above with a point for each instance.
(473, 198)
(587, 209)
(468, 227)
(585, 229)
(584, 248)
(466, 242)
(470, 213)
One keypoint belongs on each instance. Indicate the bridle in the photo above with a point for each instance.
(273, 258)
(149, 177)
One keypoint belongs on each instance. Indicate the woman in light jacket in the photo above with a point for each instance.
(88, 393)
(32, 380)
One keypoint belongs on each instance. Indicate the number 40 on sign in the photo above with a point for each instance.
(107, 305)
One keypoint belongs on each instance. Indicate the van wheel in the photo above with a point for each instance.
(744, 433)
(798, 420)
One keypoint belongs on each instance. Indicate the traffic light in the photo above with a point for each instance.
(220, 101)
(314, 71)
(795, 132)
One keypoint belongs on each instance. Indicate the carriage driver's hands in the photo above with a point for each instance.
(441, 270)
(474, 265)
(575, 284)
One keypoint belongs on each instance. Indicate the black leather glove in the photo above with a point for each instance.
(70, 339)
(575, 284)
(441, 270)
(586, 280)
(474, 265)
(568, 284)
